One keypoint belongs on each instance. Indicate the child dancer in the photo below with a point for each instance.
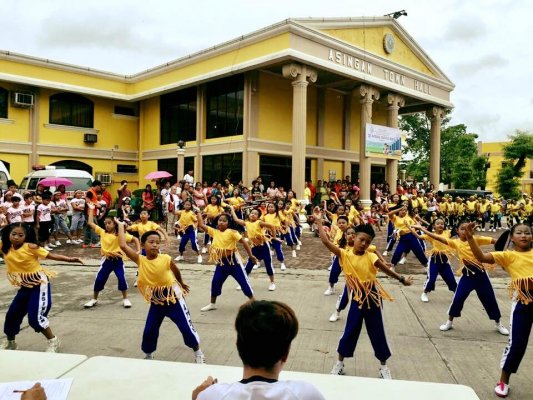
(211, 211)
(518, 262)
(438, 262)
(296, 207)
(474, 277)
(187, 226)
(223, 252)
(276, 219)
(161, 284)
(144, 225)
(258, 242)
(290, 226)
(21, 255)
(336, 234)
(360, 271)
(111, 258)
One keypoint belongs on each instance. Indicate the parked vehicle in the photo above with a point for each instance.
(466, 193)
(81, 180)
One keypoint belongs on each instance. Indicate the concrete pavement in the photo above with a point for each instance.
(469, 354)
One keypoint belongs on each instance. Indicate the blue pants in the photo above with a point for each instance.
(190, 234)
(36, 302)
(179, 314)
(479, 281)
(409, 242)
(294, 237)
(225, 269)
(391, 237)
(261, 253)
(335, 270)
(107, 266)
(342, 300)
(439, 265)
(288, 238)
(276, 244)
(374, 326)
(520, 327)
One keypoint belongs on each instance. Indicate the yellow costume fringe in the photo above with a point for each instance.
(366, 292)
(29, 279)
(160, 295)
(521, 289)
(216, 256)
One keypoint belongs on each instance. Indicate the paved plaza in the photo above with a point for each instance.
(469, 354)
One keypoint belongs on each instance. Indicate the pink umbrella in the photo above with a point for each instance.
(55, 181)
(158, 175)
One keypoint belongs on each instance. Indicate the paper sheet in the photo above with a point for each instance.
(55, 389)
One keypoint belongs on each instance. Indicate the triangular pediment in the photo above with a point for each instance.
(368, 35)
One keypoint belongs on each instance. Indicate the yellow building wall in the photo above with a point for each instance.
(18, 165)
(371, 40)
(18, 130)
(336, 166)
(314, 165)
(355, 126)
(333, 120)
(275, 108)
(150, 133)
(145, 167)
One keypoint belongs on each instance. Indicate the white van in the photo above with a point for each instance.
(4, 176)
(81, 180)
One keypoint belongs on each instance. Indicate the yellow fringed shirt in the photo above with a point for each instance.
(464, 253)
(110, 245)
(256, 234)
(361, 277)
(23, 268)
(437, 247)
(519, 265)
(157, 282)
(142, 228)
(224, 242)
(187, 218)
(211, 211)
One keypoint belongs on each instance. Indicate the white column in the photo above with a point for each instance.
(394, 101)
(368, 95)
(300, 75)
(435, 115)
(180, 155)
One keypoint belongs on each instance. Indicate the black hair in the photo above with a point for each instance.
(216, 197)
(258, 210)
(231, 223)
(265, 330)
(27, 195)
(505, 238)
(96, 182)
(149, 233)
(47, 196)
(122, 182)
(344, 217)
(365, 228)
(28, 231)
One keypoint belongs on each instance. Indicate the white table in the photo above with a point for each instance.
(124, 378)
(16, 365)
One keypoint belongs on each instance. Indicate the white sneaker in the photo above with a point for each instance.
(57, 243)
(329, 268)
(238, 287)
(385, 253)
(384, 372)
(272, 287)
(338, 368)
(299, 243)
(502, 329)
(126, 303)
(148, 356)
(294, 253)
(204, 250)
(402, 261)
(424, 297)
(282, 267)
(8, 345)
(483, 230)
(329, 291)
(446, 326)
(199, 359)
(298, 247)
(51, 245)
(335, 316)
(501, 389)
(209, 307)
(91, 303)
(53, 345)
(256, 266)
(271, 252)
(48, 248)
(135, 283)
(69, 241)
(178, 258)
(200, 259)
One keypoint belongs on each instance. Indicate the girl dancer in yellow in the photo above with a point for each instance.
(21, 255)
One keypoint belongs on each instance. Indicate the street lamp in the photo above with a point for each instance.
(180, 154)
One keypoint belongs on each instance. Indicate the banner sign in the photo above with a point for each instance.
(384, 142)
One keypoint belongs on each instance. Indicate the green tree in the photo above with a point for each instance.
(515, 155)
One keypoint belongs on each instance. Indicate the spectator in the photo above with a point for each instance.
(123, 191)
(148, 200)
(265, 330)
(189, 177)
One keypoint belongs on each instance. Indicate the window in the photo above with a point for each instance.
(225, 107)
(3, 102)
(178, 116)
(71, 109)
(171, 165)
(221, 166)
(126, 169)
(122, 110)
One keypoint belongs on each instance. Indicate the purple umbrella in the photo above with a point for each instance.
(158, 175)
(55, 181)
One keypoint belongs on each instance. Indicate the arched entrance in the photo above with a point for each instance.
(73, 164)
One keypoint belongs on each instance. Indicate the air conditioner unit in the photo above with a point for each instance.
(90, 138)
(105, 178)
(23, 100)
